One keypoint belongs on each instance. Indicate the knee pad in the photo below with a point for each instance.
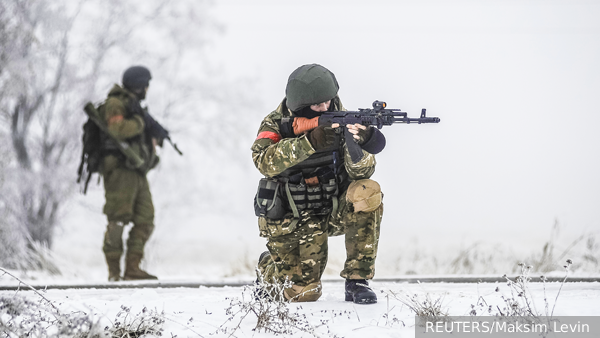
(364, 195)
(309, 293)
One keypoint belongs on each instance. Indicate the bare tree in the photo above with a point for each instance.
(53, 57)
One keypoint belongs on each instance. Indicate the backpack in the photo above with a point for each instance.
(91, 155)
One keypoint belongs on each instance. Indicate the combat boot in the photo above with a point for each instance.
(132, 268)
(114, 269)
(263, 256)
(358, 291)
(309, 293)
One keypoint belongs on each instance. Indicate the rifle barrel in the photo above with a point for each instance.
(419, 120)
(174, 146)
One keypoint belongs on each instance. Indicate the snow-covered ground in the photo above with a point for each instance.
(200, 312)
(487, 188)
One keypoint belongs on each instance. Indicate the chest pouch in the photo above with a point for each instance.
(268, 201)
(296, 189)
(317, 193)
(328, 183)
(314, 193)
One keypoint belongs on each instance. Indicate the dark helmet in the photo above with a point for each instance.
(310, 84)
(136, 77)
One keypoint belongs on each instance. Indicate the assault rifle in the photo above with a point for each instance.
(378, 116)
(155, 130)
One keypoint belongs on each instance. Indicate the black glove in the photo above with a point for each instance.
(364, 135)
(321, 137)
(372, 140)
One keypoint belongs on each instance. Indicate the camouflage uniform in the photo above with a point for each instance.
(128, 197)
(298, 248)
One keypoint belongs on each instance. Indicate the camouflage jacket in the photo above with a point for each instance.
(125, 119)
(273, 154)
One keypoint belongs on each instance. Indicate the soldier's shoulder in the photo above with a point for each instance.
(114, 100)
(118, 93)
(274, 116)
(271, 122)
(280, 112)
(114, 104)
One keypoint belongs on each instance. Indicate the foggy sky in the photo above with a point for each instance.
(515, 84)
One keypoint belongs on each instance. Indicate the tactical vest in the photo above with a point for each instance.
(312, 185)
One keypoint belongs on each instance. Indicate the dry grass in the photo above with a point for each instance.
(22, 316)
(128, 325)
(518, 301)
(265, 302)
(483, 258)
(423, 305)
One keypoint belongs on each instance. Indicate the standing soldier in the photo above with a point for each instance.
(127, 192)
(313, 190)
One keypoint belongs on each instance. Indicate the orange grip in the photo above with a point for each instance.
(302, 124)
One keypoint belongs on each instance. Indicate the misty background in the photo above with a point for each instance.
(508, 175)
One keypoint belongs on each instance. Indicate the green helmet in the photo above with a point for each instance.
(310, 84)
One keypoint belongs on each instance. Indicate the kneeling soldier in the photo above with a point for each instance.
(313, 190)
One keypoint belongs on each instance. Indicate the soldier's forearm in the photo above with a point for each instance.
(362, 169)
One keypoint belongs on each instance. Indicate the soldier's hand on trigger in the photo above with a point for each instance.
(360, 133)
(322, 136)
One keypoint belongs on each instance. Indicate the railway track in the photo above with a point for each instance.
(174, 284)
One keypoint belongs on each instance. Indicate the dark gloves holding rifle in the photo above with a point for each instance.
(368, 138)
(321, 137)
(363, 135)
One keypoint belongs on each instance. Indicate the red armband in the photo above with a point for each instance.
(270, 135)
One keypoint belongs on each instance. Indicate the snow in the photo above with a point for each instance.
(468, 64)
(194, 312)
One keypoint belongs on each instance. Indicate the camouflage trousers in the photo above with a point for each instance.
(128, 199)
(298, 252)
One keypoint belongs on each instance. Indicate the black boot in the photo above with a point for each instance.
(263, 255)
(358, 291)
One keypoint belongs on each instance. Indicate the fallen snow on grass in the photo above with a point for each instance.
(201, 312)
